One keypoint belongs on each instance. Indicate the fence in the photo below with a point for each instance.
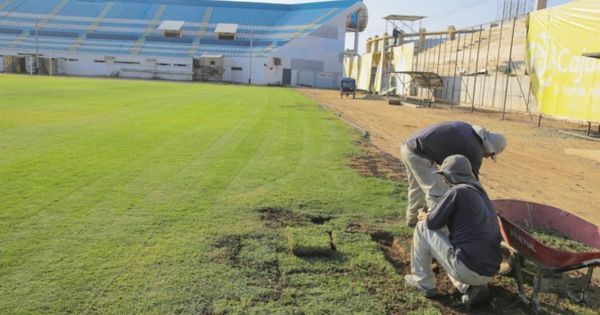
(482, 66)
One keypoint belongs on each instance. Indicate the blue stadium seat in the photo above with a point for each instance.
(79, 25)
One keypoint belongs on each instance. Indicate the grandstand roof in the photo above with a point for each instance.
(130, 27)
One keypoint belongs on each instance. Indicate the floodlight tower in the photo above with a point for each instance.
(356, 22)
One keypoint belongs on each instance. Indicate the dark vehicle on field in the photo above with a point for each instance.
(347, 87)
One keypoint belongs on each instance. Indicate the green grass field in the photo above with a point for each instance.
(130, 197)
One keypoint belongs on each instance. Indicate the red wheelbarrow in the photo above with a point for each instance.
(513, 215)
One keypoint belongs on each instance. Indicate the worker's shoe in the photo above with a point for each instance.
(428, 293)
(475, 295)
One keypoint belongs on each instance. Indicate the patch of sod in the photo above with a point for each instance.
(310, 241)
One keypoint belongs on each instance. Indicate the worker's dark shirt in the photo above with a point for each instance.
(440, 141)
(473, 226)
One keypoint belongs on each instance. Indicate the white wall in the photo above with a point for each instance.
(141, 67)
(328, 50)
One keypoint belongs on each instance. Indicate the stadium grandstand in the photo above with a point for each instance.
(202, 40)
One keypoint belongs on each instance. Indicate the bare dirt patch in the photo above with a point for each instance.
(279, 217)
(374, 162)
(229, 247)
(261, 271)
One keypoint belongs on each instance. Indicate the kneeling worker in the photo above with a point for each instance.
(422, 152)
(471, 253)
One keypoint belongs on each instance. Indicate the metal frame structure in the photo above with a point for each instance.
(427, 80)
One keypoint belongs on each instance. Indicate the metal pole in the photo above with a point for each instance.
(425, 53)
(589, 129)
(462, 69)
(522, 91)
(437, 66)
(454, 74)
(424, 67)
(447, 43)
(529, 95)
(476, 66)
(416, 62)
(469, 64)
(37, 48)
(251, 55)
(509, 67)
(497, 63)
(487, 56)
(383, 85)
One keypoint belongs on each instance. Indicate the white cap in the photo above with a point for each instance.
(492, 142)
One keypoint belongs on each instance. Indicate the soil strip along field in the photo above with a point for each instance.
(536, 166)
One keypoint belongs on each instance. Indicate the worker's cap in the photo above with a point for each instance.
(492, 142)
(457, 169)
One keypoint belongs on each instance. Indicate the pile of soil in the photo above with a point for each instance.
(373, 162)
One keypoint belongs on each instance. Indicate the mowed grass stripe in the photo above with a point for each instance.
(98, 133)
(151, 209)
(120, 192)
(162, 243)
(135, 161)
(190, 202)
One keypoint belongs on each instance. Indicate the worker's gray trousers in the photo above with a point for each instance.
(424, 187)
(435, 243)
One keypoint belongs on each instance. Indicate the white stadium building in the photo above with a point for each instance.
(200, 40)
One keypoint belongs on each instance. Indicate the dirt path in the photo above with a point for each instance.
(539, 164)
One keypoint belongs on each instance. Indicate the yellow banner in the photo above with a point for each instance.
(566, 83)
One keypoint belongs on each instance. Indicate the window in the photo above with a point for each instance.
(172, 33)
(236, 68)
(127, 62)
(226, 31)
(171, 28)
(224, 36)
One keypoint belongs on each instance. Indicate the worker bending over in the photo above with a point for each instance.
(423, 151)
(470, 253)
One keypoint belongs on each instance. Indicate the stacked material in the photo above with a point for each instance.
(310, 241)
(556, 240)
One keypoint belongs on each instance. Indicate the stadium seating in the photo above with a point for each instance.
(129, 27)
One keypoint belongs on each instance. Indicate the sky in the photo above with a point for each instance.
(440, 13)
